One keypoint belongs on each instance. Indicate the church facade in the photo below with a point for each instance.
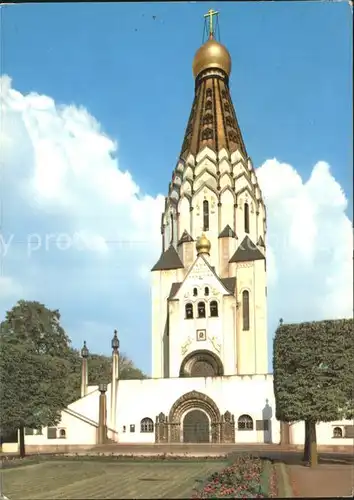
(210, 380)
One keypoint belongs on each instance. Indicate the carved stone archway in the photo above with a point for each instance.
(192, 401)
(201, 363)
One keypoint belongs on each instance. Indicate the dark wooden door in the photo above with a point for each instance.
(196, 428)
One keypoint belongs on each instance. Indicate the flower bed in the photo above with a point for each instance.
(247, 477)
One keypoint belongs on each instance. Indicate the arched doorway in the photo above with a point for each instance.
(185, 414)
(196, 427)
(202, 363)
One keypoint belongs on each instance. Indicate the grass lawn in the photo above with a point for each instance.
(97, 479)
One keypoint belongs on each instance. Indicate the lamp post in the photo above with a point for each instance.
(102, 416)
(114, 381)
(84, 370)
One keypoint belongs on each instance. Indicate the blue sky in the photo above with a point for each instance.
(291, 86)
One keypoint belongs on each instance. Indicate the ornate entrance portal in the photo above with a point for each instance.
(196, 427)
(195, 418)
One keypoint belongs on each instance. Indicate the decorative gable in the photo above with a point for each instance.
(202, 274)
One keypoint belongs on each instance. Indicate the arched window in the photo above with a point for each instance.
(206, 291)
(245, 423)
(208, 119)
(189, 311)
(337, 432)
(207, 134)
(232, 136)
(213, 309)
(146, 425)
(205, 215)
(246, 310)
(247, 217)
(208, 105)
(195, 292)
(229, 121)
(62, 434)
(209, 92)
(201, 310)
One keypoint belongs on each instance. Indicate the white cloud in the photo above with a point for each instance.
(9, 289)
(310, 241)
(81, 236)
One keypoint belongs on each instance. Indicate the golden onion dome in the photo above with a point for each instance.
(212, 55)
(203, 245)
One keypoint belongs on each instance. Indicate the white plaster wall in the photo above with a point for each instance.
(260, 317)
(88, 405)
(147, 398)
(228, 200)
(184, 216)
(229, 348)
(160, 290)
(324, 433)
(77, 432)
(246, 338)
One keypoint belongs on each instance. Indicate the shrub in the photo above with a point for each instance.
(242, 479)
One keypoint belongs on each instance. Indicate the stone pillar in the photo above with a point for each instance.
(102, 415)
(115, 378)
(84, 370)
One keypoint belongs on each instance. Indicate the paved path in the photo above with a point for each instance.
(326, 480)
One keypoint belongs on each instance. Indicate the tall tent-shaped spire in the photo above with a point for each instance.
(212, 121)
(213, 227)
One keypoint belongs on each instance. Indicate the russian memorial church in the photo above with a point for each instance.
(210, 380)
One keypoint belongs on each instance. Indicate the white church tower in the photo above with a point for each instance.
(209, 304)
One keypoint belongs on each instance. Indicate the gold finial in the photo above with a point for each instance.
(212, 55)
(203, 245)
(210, 14)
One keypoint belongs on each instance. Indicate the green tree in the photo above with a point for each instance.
(313, 375)
(32, 324)
(37, 329)
(32, 390)
(100, 370)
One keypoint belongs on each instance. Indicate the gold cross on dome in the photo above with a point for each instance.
(210, 14)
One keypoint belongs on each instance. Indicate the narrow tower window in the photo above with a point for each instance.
(171, 228)
(189, 311)
(201, 310)
(195, 292)
(247, 218)
(246, 309)
(205, 215)
(213, 309)
(206, 291)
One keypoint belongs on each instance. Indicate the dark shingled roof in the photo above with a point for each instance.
(261, 242)
(174, 289)
(227, 232)
(168, 260)
(185, 238)
(229, 284)
(247, 252)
